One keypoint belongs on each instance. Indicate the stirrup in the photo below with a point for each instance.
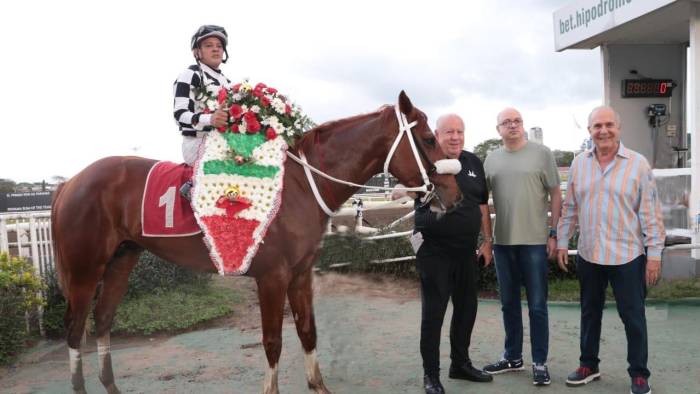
(186, 190)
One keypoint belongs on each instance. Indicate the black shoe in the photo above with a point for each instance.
(640, 385)
(467, 372)
(582, 375)
(540, 375)
(432, 385)
(504, 366)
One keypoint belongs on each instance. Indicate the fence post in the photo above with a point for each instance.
(34, 244)
(4, 242)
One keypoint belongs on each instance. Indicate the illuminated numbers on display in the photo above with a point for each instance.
(647, 87)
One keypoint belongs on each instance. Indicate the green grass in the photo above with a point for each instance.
(173, 310)
(667, 290)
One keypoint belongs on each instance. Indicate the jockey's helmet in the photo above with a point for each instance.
(207, 31)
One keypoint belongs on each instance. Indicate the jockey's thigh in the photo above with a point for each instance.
(190, 148)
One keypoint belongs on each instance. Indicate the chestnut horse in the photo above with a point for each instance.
(96, 222)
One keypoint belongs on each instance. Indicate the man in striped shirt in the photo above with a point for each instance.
(612, 197)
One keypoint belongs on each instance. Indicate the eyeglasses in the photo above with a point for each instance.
(508, 123)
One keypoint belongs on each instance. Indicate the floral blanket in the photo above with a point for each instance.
(238, 178)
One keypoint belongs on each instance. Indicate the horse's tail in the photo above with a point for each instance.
(55, 235)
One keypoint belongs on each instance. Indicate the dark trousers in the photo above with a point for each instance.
(446, 273)
(629, 287)
(518, 265)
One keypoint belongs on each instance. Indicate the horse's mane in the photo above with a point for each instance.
(307, 140)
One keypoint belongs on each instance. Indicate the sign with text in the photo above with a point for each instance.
(584, 19)
(25, 202)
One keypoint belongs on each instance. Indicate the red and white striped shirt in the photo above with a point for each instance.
(617, 209)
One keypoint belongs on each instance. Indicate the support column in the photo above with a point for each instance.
(694, 119)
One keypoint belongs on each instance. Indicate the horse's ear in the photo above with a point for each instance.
(405, 104)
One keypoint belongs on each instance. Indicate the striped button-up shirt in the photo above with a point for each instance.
(617, 209)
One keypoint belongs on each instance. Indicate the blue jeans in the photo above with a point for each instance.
(629, 287)
(518, 265)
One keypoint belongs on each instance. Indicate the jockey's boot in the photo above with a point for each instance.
(186, 190)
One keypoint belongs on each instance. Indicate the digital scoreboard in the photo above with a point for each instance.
(647, 87)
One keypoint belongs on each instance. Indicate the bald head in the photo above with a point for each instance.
(603, 108)
(508, 113)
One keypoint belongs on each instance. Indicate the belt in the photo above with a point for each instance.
(193, 133)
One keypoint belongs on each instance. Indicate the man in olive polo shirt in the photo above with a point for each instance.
(522, 175)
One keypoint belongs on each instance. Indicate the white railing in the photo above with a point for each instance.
(28, 235)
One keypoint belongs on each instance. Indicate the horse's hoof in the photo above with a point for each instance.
(319, 388)
(112, 389)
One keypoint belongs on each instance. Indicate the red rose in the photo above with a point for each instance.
(221, 129)
(235, 111)
(236, 88)
(234, 128)
(260, 86)
(271, 90)
(252, 126)
(206, 111)
(257, 93)
(222, 95)
(270, 134)
(264, 101)
(252, 123)
(287, 108)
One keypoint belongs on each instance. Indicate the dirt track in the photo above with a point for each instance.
(368, 343)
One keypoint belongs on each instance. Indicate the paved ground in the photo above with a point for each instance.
(368, 343)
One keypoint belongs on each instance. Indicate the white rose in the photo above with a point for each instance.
(255, 109)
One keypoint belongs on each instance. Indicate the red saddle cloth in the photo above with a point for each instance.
(164, 212)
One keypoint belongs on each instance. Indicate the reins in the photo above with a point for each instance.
(404, 128)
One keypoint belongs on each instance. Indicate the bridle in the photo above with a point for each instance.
(445, 166)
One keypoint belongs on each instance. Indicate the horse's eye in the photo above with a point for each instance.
(430, 141)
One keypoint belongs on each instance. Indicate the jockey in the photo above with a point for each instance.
(195, 84)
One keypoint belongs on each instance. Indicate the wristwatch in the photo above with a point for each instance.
(488, 239)
(552, 232)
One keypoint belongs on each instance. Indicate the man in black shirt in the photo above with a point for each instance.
(446, 261)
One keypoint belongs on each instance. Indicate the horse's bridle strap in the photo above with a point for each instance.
(404, 128)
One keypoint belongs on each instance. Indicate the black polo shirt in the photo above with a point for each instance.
(459, 228)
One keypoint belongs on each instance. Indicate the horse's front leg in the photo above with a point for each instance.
(300, 295)
(271, 291)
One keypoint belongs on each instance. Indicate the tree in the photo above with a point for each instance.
(563, 158)
(58, 179)
(484, 148)
(7, 185)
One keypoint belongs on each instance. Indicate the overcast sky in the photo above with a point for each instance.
(88, 79)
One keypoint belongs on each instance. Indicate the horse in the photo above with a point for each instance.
(96, 222)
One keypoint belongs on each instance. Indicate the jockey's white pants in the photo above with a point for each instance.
(190, 148)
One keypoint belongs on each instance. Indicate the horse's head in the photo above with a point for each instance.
(412, 160)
